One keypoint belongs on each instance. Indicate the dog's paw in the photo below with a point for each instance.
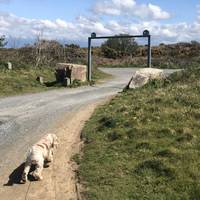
(36, 176)
(32, 173)
(23, 179)
(40, 178)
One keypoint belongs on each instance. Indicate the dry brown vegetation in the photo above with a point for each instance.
(48, 53)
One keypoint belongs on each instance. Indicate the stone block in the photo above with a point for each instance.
(40, 79)
(71, 71)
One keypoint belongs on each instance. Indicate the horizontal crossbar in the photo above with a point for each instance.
(120, 36)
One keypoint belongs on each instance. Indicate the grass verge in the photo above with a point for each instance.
(145, 143)
(23, 80)
(98, 75)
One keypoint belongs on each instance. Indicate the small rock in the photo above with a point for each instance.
(67, 82)
(40, 79)
(9, 65)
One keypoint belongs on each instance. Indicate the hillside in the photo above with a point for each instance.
(144, 144)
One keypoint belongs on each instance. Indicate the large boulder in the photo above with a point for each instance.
(142, 76)
(70, 71)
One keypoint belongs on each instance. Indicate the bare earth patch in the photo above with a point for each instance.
(59, 179)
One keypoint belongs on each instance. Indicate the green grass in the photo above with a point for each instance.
(156, 63)
(23, 80)
(98, 75)
(145, 143)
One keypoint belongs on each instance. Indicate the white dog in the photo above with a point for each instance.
(40, 153)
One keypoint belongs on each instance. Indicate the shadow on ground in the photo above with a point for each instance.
(52, 84)
(16, 175)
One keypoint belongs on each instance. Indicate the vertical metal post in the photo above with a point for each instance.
(89, 73)
(149, 51)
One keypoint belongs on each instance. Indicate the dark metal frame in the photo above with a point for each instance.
(146, 34)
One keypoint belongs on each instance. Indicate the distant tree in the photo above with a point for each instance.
(119, 47)
(162, 44)
(194, 42)
(74, 46)
(109, 52)
(3, 41)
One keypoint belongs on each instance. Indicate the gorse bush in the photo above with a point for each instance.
(119, 47)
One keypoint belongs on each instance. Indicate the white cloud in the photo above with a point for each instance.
(79, 29)
(61, 23)
(105, 8)
(87, 25)
(113, 7)
(26, 28)
(130, 8)
(157, 13)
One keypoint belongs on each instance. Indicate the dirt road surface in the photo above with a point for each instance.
(25, 119)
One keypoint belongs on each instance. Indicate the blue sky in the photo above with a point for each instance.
(182, 10)
(73, 20)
